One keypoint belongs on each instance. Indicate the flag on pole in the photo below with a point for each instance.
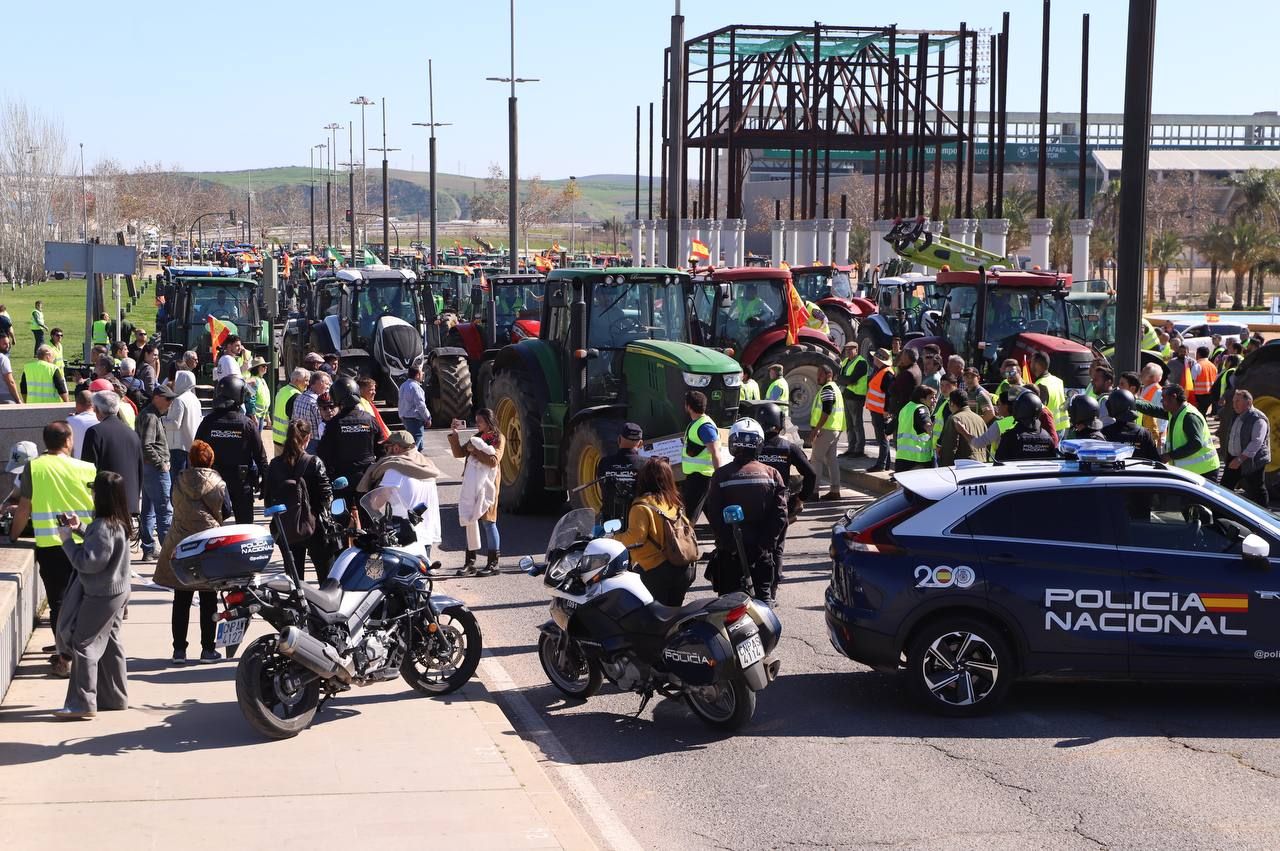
(699, 251)
(783, 264)
(218, 334)
(555, 246)
(1187, 384)
(1026, 375)
(797, 314)
(288, 265)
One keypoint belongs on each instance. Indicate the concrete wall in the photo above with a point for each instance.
(25, 422)
(20, 597)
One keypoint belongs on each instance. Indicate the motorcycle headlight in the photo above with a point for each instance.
(734, 380)
(694, 379)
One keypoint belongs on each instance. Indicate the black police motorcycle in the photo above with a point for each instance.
(373, 619)
(604, 623)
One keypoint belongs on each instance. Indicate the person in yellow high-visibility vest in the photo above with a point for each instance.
(37, 324)
(55, 343)
(53, 485)
(101, 332)
(280, 413)
(42, 382)
(700, 455)
(826, 418)
(855, 373)
(1051, 390)
(750, 391)
(1190, 444)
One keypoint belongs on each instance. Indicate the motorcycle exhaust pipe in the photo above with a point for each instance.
(314, 655)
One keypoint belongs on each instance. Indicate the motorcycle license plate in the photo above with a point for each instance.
(230, 632)
(750, 651)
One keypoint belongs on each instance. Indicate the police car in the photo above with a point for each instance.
(1097, 567)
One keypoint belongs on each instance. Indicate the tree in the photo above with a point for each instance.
(1164, 251)
(32, 168)
(1256, 196)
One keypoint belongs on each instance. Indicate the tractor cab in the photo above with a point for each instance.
(1014, 314)
(505, 309)
(905, 311)
(447, 284)
(232, 303)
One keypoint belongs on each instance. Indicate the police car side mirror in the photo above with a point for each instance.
(337, 507)
(1254, 547)
(612, 526)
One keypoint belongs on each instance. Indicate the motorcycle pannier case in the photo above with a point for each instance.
(223, 556)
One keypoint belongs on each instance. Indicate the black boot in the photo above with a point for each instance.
(469, 566)
(490, 566)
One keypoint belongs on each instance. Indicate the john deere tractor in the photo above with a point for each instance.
(612, 347)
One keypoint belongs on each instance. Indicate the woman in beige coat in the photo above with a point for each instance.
(481, 479)
(200, 502)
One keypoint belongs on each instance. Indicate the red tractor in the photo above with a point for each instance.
(505, 310)
(833, 289)
(991, 316)
(744, 313)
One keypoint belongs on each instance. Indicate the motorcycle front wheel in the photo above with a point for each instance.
(726, 705)
(442, 661)
(575, 675)
(277, 697)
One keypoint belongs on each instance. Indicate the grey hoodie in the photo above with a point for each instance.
(184, 415)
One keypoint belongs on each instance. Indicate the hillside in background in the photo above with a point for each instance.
(602, 195)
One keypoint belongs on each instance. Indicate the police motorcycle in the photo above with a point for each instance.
(604, 623)
(374, 618)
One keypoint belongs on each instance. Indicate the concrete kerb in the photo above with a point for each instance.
(21, 595)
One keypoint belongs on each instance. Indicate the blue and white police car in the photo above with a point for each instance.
(1096, 567)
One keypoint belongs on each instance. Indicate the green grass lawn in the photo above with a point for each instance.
(64, 303)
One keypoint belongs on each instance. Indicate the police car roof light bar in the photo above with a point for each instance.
(1097, 452)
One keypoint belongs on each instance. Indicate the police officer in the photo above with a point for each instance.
(1126, 429)
(617, 473)
(238, 455)
(783, 455)
(1028, 439)
(762, 495)
(350, 442)
(1085, 423)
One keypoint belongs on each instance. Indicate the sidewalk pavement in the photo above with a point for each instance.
(181, 768)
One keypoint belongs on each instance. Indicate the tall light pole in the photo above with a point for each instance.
(431, 124)
(351, 183)
(333, 128)
(573, 218)
(363, 102)
(84, 201)
(386, 195)
(313, 192)
(675, 141)
(513, 175)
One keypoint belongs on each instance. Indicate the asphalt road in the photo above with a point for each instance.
(839, 756)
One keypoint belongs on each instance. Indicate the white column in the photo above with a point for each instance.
(806, 242)
(825, 229)
(995, 236)
(637, 242)
(792, 243)
(729, 241)
(686, 242)
(715, 226)
(957, 229)
(880, 251)
(660, 230)
(1040, 231)
(740, 259)
(651, 243)
(778, 235)
(1080, 230)
(843, 229)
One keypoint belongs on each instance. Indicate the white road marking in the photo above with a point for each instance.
(610, 828)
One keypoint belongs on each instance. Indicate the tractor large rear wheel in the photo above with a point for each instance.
(588, 443)
(452, 391)
(844, 328)
(523, 482)
(800, 369)
(482, 384)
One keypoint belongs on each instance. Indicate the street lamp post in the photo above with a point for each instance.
(84, 201)
(363, 102)
(323, 146)
(573, 218)
(333, 129)
(386, 195)
(351, 184)
(512, 142)
(431, 124)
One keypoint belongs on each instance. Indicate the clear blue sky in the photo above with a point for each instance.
(234, 84)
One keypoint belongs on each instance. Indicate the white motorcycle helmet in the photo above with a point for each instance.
(746, 436)
(598, 555)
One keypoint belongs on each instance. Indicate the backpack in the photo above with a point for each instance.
(679, 543)
(298, 520)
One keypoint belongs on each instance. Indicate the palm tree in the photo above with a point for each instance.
(1243, 242)
(1215, 246)
(1257, 195)
(1019, 209)
(1164, 251)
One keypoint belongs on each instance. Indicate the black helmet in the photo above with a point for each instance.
(1120, 406)
(1083, 410)
(345, 393)
(229, 393)
(1027, 407)
(769, 416)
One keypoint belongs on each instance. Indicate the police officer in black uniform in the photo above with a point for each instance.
(1085, 423)
(762, 494)
(783, 455)
(1027, 440)
(1125, 429)
(238, 455)
(617, 473)
(350, 442)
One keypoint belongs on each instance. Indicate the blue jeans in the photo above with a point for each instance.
(415, 427)
(489, 534)
(177, 462)
(157, 509)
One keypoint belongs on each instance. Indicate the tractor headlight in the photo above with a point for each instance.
(694, 379)
(733, 380)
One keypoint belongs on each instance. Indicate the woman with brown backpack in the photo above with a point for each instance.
(659, 536)
(301, 482)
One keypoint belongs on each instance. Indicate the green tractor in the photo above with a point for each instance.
(612, 347)
(233, 301)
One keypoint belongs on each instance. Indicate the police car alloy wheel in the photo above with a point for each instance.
(960, 666)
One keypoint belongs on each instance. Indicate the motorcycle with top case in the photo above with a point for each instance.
(373, 619)
(714, 652)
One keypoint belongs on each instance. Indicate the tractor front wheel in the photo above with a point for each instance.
(588, 443)
(452, 390)
(800, 369)
(523, 481)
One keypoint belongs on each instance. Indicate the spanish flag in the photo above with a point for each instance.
(1026, 375)
(797, 314)
(288, 265)
(783, 264)
(542, 263)
(555, 246)
(218, 333)
(1188, 385)
(699, 251)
